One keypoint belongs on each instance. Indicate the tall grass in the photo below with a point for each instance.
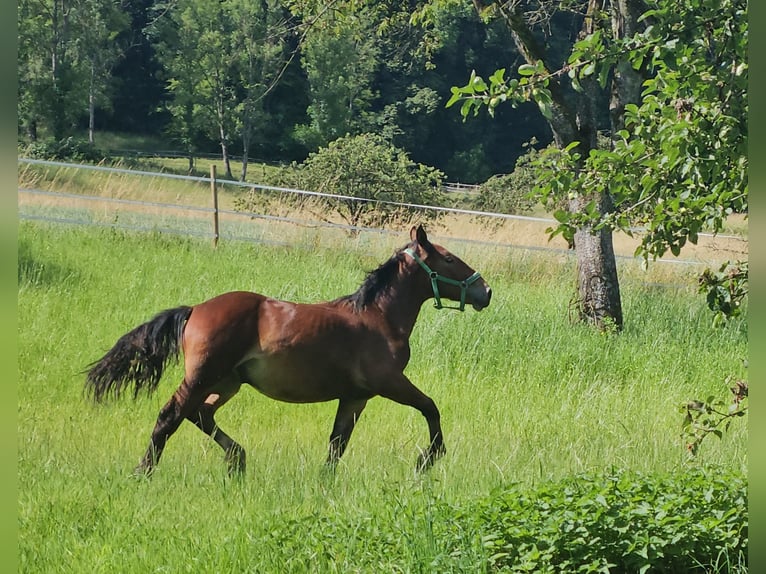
(525, 397)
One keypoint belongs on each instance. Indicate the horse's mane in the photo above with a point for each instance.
(376, 283)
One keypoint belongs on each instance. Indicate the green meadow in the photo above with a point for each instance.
(531, 405)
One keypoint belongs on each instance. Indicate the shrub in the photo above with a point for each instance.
(620, 522)
(509, 193)
(67, 149)
(690, 522)
(725, 290)
(369, 168)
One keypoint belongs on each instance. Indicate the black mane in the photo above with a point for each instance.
(376, 283)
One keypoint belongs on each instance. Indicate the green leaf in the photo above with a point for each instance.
(545, 109)
(457, 95)
(498, 78)
(478, 84)
(562, 216)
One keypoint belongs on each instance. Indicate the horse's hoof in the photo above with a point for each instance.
(328, 473)
(427, 458)
(237, 471)
(142, 472)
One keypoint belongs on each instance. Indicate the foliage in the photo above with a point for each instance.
(677, 160)
(509, 193)
(618, 522)
(680, 164)
(67, 49)
(67, 149)
(368, 168)
(340, 56)
(726, 289)
(259, 41)
(622, 522)
(330, 69)
(706, 417)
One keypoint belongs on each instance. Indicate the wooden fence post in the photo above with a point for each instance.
(214, 191)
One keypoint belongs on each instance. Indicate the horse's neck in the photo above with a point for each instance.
(401, 305)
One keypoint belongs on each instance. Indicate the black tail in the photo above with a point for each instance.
(139, 356)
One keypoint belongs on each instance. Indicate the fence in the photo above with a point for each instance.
(216, 222)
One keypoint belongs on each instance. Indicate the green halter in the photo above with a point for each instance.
(435, 278)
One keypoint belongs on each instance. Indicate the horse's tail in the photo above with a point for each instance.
(139, 356)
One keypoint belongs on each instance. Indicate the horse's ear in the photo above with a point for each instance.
(419, 234)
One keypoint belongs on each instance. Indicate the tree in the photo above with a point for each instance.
(369, 168)
(176, 49)
(573, 118)
(223, 59)
(198, 54)
(139, 91)
(677, 76)
(259, 37)
(66, 52)
(97, 43)
(340, 56)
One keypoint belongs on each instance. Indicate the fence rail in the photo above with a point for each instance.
(447, 187)
(237, 222)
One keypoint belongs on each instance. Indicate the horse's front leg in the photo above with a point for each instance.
(400, 389)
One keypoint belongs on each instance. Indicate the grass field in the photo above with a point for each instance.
(525, 398)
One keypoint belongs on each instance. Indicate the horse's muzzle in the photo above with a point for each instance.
(479, 295)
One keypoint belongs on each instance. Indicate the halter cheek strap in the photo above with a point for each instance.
(435, 278)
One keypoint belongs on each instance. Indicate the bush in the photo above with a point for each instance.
(509, 193)
(371, 169)
(690, 522)
(67, 149)
(615, 523)
(725, 290)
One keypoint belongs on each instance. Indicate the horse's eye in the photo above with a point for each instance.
(449, 259)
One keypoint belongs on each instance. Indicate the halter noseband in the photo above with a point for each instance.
(435, 278)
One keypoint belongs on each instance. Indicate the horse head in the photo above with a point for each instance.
(450, 276)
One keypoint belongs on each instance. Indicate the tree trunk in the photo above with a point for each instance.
(626, 82)
(187, 132)
(60, 29)
(598, 290)
(598, 299)
(224, 139)
(32, 130)
(91, 106)
(245, 147)
(225, 158)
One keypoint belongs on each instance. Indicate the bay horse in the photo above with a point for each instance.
(350, 349)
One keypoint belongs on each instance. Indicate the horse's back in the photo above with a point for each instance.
(234, 307)
(241, 324)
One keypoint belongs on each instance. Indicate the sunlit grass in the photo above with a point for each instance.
(525, 397)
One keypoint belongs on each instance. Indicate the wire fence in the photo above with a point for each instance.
(55, 205)
(448, 187)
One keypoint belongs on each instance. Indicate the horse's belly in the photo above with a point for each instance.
(296, 381)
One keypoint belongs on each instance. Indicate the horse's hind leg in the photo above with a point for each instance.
(348, 413)
(205, 421)
(186, 399)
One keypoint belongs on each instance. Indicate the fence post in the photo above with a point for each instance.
(214, 191)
